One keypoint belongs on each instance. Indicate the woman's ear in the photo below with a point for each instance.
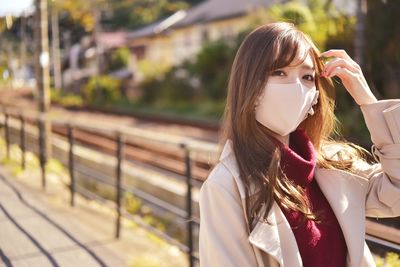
(256, 103)
(260, 84)
(258, 99)
(315, 101)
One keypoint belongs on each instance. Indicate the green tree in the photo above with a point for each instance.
(383, 42)
(101, 90)
(212, 65)
(119, 59)
(79, 12)
(78, 17)
(318, 18)
(134, 14)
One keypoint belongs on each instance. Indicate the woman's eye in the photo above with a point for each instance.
(277, 73)
(309, 78)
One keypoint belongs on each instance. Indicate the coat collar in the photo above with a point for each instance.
(345, 193)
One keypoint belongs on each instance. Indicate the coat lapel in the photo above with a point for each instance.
(275, 238)
(345, 193)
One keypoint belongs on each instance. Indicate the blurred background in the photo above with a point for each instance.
(160, 68)
(173, 57)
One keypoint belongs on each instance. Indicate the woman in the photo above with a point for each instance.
(283, 192)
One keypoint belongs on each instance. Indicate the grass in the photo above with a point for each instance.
(203, 111)
(391, 260)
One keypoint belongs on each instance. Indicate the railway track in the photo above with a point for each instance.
(386, 237)
(167, 159)
(164, 158)
(173, 161)
(383, 237)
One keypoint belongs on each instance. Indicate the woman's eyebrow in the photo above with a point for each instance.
(307, 67)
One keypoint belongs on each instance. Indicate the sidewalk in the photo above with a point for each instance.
(39, 228)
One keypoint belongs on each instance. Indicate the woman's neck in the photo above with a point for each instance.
(283, 139)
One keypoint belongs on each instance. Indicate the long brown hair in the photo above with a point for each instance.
(267, 48)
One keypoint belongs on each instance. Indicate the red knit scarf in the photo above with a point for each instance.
(320, 244)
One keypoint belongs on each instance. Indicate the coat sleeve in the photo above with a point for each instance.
(223, 238)
(383, 194)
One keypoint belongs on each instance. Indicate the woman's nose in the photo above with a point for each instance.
(295, 80)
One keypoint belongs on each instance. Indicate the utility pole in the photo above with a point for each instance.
(56, 47)
(96, 33)
(43, 82)
(42, 56)
(23, 42)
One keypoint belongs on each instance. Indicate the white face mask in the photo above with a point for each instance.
(282, 107)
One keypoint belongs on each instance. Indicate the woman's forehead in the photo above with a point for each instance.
(303, 60)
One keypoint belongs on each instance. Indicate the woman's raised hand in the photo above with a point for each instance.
(351, 75)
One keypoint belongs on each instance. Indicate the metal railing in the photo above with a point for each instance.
(187, 146)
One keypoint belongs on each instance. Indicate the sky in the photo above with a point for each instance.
(15, 7)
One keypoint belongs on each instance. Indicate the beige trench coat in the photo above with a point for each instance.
(374, 191)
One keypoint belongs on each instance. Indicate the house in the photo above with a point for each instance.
(81, 57)
(170, 41)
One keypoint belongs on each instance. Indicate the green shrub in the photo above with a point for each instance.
(212, 66)
(165, 223)
(119, 59)
(318, 19)
(212, 109)
(132, 203)
(146, 261)
(101, 90)
(168, 92)
(391, 260)
(65, 99)
(151, 70)
(3, 68)
(175, 89)
(150, 88)
(197, 86)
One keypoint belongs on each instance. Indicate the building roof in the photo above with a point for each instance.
(211, 10)
(205, 11)
(158, 26)
(112, 39)
(147, 30)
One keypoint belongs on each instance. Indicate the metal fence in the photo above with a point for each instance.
(187, 146)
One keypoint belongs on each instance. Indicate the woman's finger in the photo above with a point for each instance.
(335, 53)
(351, 76)
(338, 62)
(355, 85)
(340, 53)
(348, 79)
(343, 73)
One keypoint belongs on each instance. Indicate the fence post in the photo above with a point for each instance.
(71, 163)
(120, 156)
(22, 141)
(7, 133)
(42, 148)
(188, 164)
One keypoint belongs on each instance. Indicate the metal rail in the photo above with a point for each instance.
(188, 148)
